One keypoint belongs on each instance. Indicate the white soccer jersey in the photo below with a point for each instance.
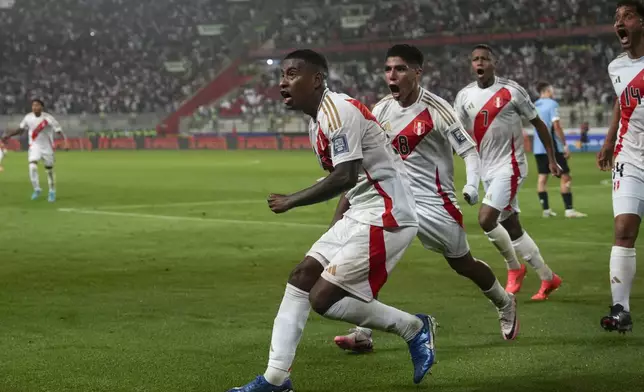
(41, 130)
(493, 116)
(345, 130)
(424, 134)
(627, 76)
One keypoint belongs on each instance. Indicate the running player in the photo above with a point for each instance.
(342, 273)
(626, 149)
(548, 110)
(424, 129)
(41, 127)
(492, 109)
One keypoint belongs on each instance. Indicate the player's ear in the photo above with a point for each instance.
(318, 80)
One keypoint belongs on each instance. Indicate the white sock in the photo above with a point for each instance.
(287, 331)
(497, 295)
(529, 251)
(376, 315)
(622, 272)
(366, 331)
(33, 176)
(51, 180)
(501, 239)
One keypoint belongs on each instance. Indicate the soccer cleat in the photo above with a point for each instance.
(51, 197)
(575, 214)
(618, 320)
(36, 194)
(548, 213)
(421, 348)
(515, 279)
(261, 385)
(547, 287)
(509, 319)
(357, 341)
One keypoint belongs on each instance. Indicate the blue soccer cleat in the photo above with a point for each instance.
(261, 385)
(421, 348)
(35, 195)
(51, 197)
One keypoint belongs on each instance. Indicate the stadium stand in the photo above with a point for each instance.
(150, 56)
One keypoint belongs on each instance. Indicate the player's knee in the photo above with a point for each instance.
(306, 274)
(487, 219)
(462, 265)
(513, 226)
(323, 296)
(626, 231)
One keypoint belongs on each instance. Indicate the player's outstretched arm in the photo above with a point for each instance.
(546, 139)
(605, 155)
(9, 134)
(343, 177)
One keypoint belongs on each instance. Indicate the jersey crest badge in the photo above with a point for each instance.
(387, 127)
(419, 128)
(498, 102)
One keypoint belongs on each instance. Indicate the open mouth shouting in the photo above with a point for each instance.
(395, 91)
(287, 99)
(624, 37)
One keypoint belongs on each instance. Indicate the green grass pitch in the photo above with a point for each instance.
(162, 271)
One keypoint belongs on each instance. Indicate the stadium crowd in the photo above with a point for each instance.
(109, 56)
(576, 68)
(84, 56)
(311, 25)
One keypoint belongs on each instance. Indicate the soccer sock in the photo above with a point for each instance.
(375, 315)
(33, 175)
(287, 331)
(567, 199)
(500, 237)
(51, 180)
(543, 199)
(528, 251)
(496, 294)
(622, 272)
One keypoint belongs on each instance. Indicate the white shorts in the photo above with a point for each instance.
(37, 154)
(358, 257)
(441, 229)
(628, 189)
(501, 194)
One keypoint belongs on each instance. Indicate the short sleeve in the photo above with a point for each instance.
(555, 112)
(459, 108)
(523, 104)
(446, 121)
(344, 129)
(55, 125)
(24, 125)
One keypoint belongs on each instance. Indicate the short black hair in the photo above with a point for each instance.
(409, 53)
(486, 47)
(310, 57)
(639, 8)
(542, 86)
(39, 101)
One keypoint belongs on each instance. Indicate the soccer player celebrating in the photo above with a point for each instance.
(548, 110)
(492, 109)
(41, 127)
(424, 128)
(342, 273)
(624, 146)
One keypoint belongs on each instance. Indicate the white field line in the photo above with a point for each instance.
(178, 204)
(217, 221)
(193, 219)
